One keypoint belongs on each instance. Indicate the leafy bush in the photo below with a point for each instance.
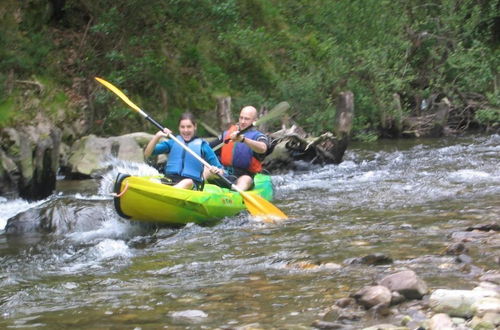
(488, 117)
(174, 55)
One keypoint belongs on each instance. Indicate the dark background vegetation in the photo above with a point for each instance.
(170, 56)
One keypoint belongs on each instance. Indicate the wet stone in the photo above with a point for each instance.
(456, 249)
(495, 226)
(463, 258)
(406, 283)
(370, 259)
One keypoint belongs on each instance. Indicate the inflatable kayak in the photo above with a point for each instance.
(148, 199)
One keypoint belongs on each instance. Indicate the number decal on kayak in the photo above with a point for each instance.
(227, 201)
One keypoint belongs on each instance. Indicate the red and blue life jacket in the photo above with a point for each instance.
(239, 155)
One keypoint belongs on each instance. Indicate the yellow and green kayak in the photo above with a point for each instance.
(148, 199)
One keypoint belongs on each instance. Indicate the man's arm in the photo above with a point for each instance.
(257, 146)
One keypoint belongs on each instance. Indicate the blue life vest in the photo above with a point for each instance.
(182, 163)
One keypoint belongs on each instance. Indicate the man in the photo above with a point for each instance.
(245, 149)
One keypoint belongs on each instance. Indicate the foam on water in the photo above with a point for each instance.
(121, 166)
(113, 227)
(109, 249)
(470, 176)
(382, 180)
(100, 197)
(98, 257)
(10, 208)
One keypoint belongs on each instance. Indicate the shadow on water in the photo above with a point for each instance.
(71, 261)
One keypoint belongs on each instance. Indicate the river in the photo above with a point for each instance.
(403, 199)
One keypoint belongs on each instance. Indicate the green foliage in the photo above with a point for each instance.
(470, 67)
(6, 111)
(366, 136)
(170, 56)
(25, 55)
(363, 130)
(488, 117)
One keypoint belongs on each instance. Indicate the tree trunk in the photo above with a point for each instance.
(343, 117)
(441, 119)
(224, 112)
(343, 125)
(398, 113)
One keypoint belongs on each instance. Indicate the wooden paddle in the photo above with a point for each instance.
(256, 205)
(275, 112)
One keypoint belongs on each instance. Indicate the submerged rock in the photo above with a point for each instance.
(59, 216)
(370, 259)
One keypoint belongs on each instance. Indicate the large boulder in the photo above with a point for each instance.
(29, 160)
(89, 154)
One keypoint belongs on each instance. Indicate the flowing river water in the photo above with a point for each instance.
(84, 267)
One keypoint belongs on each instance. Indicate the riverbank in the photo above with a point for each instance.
(32, 156)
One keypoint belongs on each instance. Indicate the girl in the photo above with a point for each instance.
(182, 168)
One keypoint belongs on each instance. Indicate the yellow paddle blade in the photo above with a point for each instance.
(259, 207)
(118, 92)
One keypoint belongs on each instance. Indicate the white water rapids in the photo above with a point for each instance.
(404, 199)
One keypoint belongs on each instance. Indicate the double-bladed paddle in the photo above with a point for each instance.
(256, 205)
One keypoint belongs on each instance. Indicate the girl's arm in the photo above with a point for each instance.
(154, 141)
